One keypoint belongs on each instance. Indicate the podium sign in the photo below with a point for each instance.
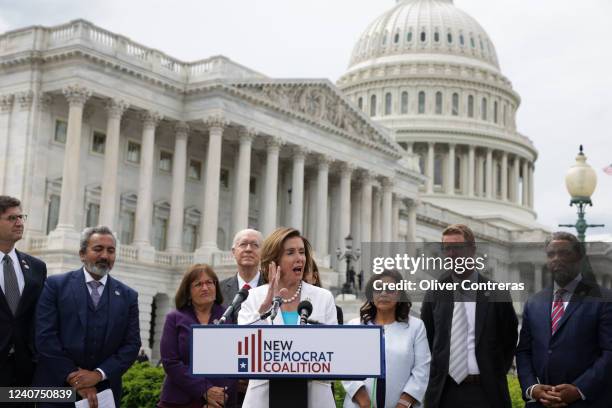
(324, 352)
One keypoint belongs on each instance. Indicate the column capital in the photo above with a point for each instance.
(150, 118)
(366, 176)
(6, 102)
(300, 152)
(387, 183)
(216, 121)
(115, 107)
(274, 143)
(346, 168)
(181, 128)
(25, 99)
(76, 94)
(324, 160)
(246, 135)
(44, 101)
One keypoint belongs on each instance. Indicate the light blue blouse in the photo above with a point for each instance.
(407, 360)
(290, 317)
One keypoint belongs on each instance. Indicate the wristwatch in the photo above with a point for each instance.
(405, 403)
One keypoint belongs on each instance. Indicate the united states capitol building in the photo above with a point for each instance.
(420, 132)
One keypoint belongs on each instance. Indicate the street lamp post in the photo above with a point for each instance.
(581, 181)
(349, 255)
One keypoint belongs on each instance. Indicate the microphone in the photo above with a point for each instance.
(276, 304)
(304, 309)
(238, 299)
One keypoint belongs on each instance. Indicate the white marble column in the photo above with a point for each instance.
(346, 171)
(525, 198)
(177, 203)
(387, 210)
(76, 96)
(489, 173)
(429, 168)
(109, 198)
(504, 176)
(376, 215)
(240, 208)
(450, 170)
(144, 204)
(471, 170)
(531, 185)
(297, 188)
(412, 220)
(210, 214)
(395, 219)
(366, 207)
(321, 244)
(480, 168)
(270, 197)
(516, 179)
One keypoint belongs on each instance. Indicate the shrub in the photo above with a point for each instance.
(142, 385)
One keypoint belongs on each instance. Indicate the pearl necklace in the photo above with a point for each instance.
(297, 293)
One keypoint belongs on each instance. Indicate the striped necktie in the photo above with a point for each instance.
(558, 310)
(458, 361)
(95, 295)
(11, 286)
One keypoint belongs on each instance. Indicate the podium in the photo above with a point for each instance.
(287, 356)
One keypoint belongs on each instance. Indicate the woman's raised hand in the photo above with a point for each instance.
(273, 288)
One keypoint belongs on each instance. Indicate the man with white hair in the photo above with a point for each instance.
(246, 249)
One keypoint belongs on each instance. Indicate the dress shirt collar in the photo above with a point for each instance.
(89, 278)
(570, 287)
(252, 283)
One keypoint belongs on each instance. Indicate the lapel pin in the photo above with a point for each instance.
(117, 293)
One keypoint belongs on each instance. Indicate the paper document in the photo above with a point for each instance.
(105, 400)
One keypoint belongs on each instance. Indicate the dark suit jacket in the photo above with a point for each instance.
(229, 288)
(580, 351)
(496, 334)
(18, 331)
(180, 387)
(61, 322)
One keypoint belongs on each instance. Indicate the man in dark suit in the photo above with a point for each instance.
(472, 336)
(21, 281)
(564, 356)
(87, 331)
(246, 249)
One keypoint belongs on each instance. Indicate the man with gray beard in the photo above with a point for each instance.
(87, 331)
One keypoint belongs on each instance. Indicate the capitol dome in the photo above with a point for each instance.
(429, 73)
(433, 27)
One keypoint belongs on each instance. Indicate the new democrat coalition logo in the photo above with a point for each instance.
(259, 355)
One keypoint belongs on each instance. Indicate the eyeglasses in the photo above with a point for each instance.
(245, 245)
(14, 218)
(208, 283)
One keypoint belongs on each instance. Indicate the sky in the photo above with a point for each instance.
(556, 53)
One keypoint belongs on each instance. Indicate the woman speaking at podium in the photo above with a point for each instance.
(407, 354)
(285, 257)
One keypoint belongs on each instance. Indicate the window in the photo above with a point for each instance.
(160, 229)
(438, 163)
(224, 178)
(396, 38)
(98, 142)
(421, 102)
(190, 238)
(384, 39)
(388, 103)
(195, 170)
(437, 36)
(481, 45)
(253, 185)
(93, 214)
(404, 103)
(61, 128)
(128, 219)
(373, 105)
(472, 42)
(423, 36)
(133, 152)
(483, 109)
(438, 103)
(53, 212)
(165, 161)
(462, 40)
(409, 36)
(455, 111)
(471, 106)
(449, 37)
(360, 103)
(495, 108)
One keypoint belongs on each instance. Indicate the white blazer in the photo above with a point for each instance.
(323, 311)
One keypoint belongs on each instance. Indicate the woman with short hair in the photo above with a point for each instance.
(198, 301)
